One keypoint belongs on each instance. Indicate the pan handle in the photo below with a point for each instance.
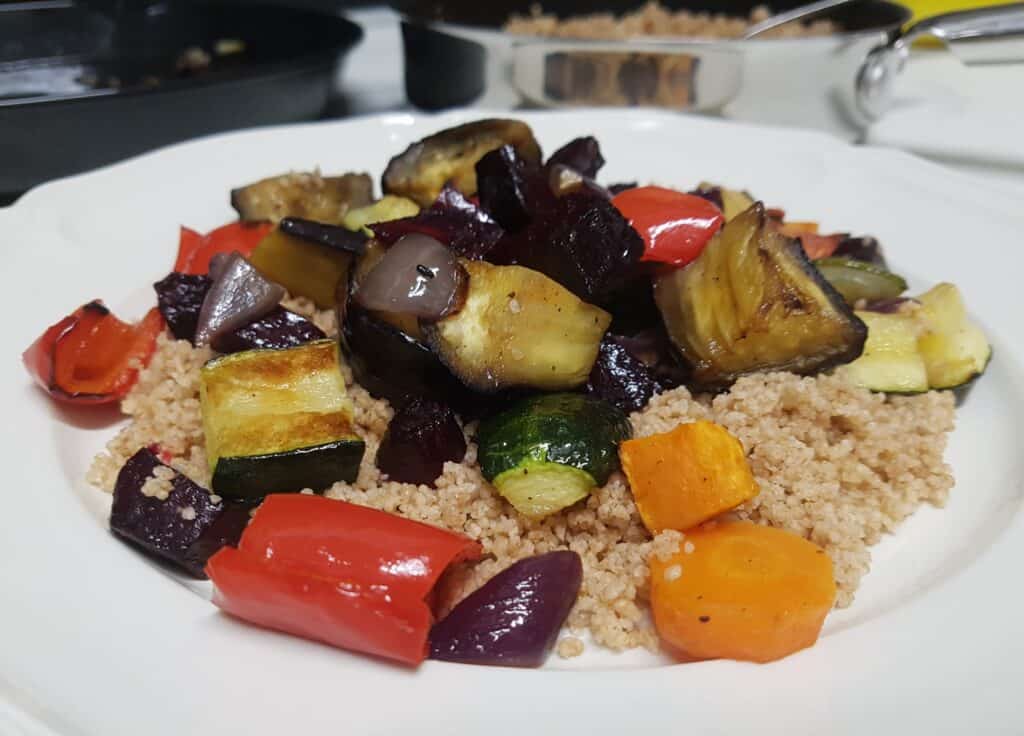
(993, 35)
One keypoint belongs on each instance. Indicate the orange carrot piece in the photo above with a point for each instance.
(743, 591)
(689, 475)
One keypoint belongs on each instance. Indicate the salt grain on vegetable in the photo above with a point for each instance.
(688, 548)
(673, 572)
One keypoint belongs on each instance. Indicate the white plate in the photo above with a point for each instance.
(95, 640)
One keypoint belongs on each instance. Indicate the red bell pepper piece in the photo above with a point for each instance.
(195, 250)
(335, 572)
(92, 357)
(675, 226)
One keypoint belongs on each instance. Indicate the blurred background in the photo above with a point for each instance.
(88, 82)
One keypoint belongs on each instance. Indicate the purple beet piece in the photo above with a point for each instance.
(225, 531)
(582, 154)
(422, 436)
(514, 618)
(621, 379)
(865, 249)
(621, 187)
(653, 348)
(583, 243)
(179, 297)
(509, 187)
(453, 220)
(169, 529)
(276, 330)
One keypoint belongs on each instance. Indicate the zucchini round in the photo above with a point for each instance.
(857, 280)
(547, 452)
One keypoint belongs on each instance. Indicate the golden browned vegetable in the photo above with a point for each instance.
(518, 328)
(753, 302)
(304, 268)
(423, 168)
(306, 195)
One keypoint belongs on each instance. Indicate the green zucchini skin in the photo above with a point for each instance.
(317, 467)
(569, 429)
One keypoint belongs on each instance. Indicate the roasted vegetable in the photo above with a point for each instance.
(509, 188)
(954, 349)
(675, 226)
(349, 576)
(453, 220)
(276, 330)
(421, 437)
(891, 361)
(305, 269)
(518, 328)
(426, 166)
(330, 236)
(375, 251)
(580, 154)
(512, 620)
(653, 348)
(582, 242)
(753, 302)
(621, 379)
(278, 421)
(387, 208)
(857, 280)
(392, 365)
(195, 251)
(238, 296)
(742, 591)
(689, 475)
(179, 296)
(548, 452)
(864, 249)
(732, 202)
(308, 195)
(183, 528)
(90, 356)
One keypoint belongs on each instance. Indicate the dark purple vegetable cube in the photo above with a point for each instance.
(653, 348)
(453, 220)
(621, 187)
(514, 618)
(509, 188)
(276, 330)
(621, 379)
(581, 154)
(332, 236)
(225, 531)
(183, 529)
(179, 297)
(865, 249)
(583, 243)
(422, 436)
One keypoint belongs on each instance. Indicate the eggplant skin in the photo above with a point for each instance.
(753, 302)
(450, 155)
(306, 195)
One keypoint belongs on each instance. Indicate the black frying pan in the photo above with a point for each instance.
(83, 84)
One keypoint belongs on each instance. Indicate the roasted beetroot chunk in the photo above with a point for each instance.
(179, 297)
(183, 529)
(276, 330)
(509, 188)
(514, 618)
(653, 348)
(581, 154)
(621, 379)
(620, 187)
(583, 243)
(453, 220)
(422, 436)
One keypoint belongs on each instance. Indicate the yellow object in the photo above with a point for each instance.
(922, 9)
(305, 269)
(689, 475)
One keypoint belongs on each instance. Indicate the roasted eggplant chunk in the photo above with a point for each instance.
(518, 328)
(302, 194)
(753, 302)
(426, 166)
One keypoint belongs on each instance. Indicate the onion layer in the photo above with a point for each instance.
(238, 296)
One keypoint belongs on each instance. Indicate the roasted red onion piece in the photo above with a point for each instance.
(332, 236)
(239, 295)
(580, 154)
(421, 437)
(514, 618)
(417, 276)
(180, 298)
(453, 220)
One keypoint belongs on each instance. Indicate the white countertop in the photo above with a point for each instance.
(967, 118)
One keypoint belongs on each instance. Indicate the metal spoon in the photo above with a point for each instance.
(802, 12)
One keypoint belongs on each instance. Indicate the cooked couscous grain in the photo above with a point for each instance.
(836, 464)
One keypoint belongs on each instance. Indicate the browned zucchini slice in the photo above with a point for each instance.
(423, 168)
(301, 194)
(518, 328)
(751, 302)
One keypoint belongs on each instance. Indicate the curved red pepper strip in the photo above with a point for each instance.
(675, 226)
(90, 356)
(195, 250)
(335, 572)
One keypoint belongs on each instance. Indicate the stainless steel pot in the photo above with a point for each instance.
(456, 54)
